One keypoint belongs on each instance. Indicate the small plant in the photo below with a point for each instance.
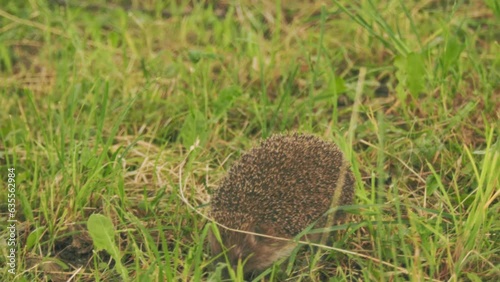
(103, 233)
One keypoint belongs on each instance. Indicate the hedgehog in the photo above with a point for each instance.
(278, 189)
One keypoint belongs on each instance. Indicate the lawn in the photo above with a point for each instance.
(118, 120)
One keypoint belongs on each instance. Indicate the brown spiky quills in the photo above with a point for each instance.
(278, 189)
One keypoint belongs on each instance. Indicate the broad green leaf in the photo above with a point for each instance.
(415, 70)
(102, 231)
(224, 101)
(34, 237)
(411, 74)
(451, 54)
(194, 128)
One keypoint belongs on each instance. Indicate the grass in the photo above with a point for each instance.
(116, 108)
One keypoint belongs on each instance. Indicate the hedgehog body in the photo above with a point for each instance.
(278, 189)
